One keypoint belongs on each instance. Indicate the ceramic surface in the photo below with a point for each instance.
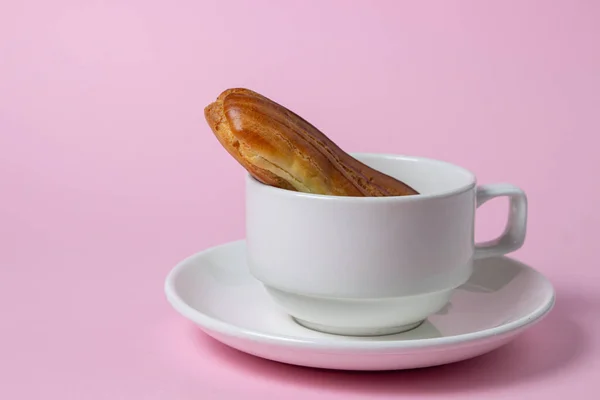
(215, 290)
(388, 262)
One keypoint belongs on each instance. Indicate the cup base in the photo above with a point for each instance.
(345, 331)
(359, 317)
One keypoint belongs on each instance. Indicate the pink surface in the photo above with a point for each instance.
(109, 176)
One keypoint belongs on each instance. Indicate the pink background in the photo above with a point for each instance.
(109, 176)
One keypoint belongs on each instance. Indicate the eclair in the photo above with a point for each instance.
(281, 149)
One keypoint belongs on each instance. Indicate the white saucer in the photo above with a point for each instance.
(215, 290)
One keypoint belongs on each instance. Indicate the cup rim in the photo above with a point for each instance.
(384, 199)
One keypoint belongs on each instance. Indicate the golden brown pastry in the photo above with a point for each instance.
(281, 149)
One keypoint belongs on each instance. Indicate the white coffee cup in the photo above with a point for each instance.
(374, 265)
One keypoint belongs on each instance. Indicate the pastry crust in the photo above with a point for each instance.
(281, 149)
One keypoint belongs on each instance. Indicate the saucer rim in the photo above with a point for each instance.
(216, 325)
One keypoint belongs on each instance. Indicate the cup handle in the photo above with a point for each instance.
(513, 236)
